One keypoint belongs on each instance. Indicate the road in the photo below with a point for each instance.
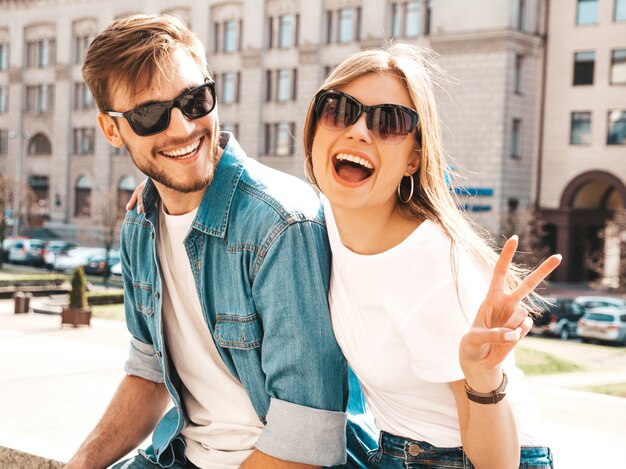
(585, 430)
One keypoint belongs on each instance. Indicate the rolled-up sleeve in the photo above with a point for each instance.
(143, 361)
(306, 374)
(302, 434)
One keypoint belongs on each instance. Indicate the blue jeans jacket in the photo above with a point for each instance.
(261, 260)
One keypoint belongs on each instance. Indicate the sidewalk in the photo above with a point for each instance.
(56, 382)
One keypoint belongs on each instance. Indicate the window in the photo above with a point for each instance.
(584, 63)
(4, 56)
(268, 85)
(286, 84)
(587, 12)
(270, 32)
(39, 145)
(230, 37)
(4, 99)
(82, 197)
(82, 97)
(84, 140)
(230, 87)
(39, 98)
(119, 151)
(346, 25)
(286, 31)
(4, 142)
(519, 74)
(40, 53)
(516, 139)
(329, 27)
(619, 10)
(232, 128)
(405, 19)
(618, 67)
(279, 139)
(581, 128)
(125, 188)
(396, 20)
(521, 15)
(80, 46)
(617, 128)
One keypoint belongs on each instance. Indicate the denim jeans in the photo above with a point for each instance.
(140, 462)
(395, 452)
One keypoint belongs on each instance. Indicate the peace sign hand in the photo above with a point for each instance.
(500, 322)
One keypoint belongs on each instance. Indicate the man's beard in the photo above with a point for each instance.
(160, 176)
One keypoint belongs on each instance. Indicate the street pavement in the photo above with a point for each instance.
(55, 383)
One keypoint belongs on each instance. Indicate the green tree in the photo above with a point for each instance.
(78, 294)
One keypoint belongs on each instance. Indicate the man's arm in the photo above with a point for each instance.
(261, 460)
(135, 409)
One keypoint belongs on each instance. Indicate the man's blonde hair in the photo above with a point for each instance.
(433, 198)
(137, 51)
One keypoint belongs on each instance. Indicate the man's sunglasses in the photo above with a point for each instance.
(390, 123)
(152, 118)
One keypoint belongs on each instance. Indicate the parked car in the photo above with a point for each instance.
(606, 324)
(116, 271)
(591, 302)
(8, 243)
(98, 265)
(52, 249)
(559, 318)
(27, 251)
(68, 261)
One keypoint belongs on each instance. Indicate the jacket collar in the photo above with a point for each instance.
(214, 210)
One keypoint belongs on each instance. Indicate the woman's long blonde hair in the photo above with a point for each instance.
(433, 198)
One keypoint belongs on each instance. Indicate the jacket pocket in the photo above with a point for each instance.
(237, 331)
(144, 300)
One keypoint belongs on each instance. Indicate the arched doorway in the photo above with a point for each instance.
(587, 203)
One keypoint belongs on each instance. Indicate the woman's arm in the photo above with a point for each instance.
(489, 431)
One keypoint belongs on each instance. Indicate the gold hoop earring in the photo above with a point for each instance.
(407, 200)
(308, 173)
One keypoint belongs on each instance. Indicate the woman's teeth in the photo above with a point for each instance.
(354, 159)
(185, 152)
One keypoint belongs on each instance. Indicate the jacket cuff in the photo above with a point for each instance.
(143, 361)
(304, 435)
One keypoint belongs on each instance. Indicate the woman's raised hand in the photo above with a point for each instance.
(501, 321)
(136, 198)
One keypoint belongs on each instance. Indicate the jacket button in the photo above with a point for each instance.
(156, 295)
(158, 354)
(414, 449)
(151, 235)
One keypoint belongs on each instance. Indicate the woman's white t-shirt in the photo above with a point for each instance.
(398, 319)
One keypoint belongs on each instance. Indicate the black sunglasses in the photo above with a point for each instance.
(152, 118)
(390, 123)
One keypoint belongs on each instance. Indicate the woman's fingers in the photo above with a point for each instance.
(536, 277)
(135, 198)
(502, 267)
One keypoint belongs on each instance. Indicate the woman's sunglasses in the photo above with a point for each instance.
(390, 123)
(152, 118)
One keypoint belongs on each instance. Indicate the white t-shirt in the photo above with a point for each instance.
(398, 319)
(223, 426)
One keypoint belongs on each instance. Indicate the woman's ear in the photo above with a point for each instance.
(110, 130)
(414, 161)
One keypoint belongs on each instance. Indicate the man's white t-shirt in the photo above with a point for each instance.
(223, 426)
(398, 319)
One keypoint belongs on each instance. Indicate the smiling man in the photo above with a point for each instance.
(225, 272)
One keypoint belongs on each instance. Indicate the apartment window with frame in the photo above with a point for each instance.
(279, 139)
(519, 74)
(288, 31)
(618, 67)
(580, 133)
(329, 26)
(584, 63)
(619, 10)
(84, 140)
(521, 15)
(617, 128)
(516, 139)
(229, 36)
(40, 53)
(587, 12)
(39, 145)
(230, 87)
(39, 98)
(4, 57)
(232, 128)
(82, 97)
(405, 19)
(82, 197)
(348, 25)
(80, 46)
(4, 142)
(286, 84)
(4, 99)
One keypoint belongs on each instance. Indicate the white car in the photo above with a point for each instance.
(116, 271)
(74, 258)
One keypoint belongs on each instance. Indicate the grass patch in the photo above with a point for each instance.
(534, 362)
(616, 389)
(114, 312)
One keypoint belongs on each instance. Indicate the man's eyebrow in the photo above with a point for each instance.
(153, 101)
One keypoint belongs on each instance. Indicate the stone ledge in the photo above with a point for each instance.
(14, 459)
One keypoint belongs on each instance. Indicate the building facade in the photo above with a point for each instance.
(269, 58)
(582, 161)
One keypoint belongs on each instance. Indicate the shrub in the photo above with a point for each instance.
(78, 294)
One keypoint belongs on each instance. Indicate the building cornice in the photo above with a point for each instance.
(484, 40)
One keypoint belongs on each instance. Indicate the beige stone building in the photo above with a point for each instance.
(268, 58)
(581, 171)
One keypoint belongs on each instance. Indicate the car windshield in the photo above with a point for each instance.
(600, 317)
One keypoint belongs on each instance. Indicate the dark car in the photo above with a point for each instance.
(98, 265)
(559, 318)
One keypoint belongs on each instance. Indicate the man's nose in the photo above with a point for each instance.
(179, 124)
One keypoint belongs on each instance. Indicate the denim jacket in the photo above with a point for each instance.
(261, 260)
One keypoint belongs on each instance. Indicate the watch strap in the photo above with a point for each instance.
(492, 397)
